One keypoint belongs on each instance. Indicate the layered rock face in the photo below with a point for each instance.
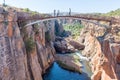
(103, 50)
(17, 62)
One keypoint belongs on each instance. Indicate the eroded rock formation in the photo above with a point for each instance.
(103, 49)
(17, 62)
(62, 46)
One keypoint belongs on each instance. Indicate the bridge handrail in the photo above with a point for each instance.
(111, 19)
(53, 18)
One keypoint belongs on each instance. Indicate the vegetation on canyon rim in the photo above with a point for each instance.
(75, 29)
(113, 13)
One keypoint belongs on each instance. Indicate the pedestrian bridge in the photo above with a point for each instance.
(90, 19)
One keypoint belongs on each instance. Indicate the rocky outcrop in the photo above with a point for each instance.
(69, 62)
(25, 53)
(103, 53)
(67, 45)
(76, 45)
(62, 46)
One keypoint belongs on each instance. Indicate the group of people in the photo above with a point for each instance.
(58, 12)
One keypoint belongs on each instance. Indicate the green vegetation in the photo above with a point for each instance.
(30, 11)
(75, 57)
(29, 45)
(28, 41)
(36, 29)
(47, 36)
(23, 31)
(75, 28)
(109, 14)
(34, 12)
(113, 13)
(26, 10)
(6, 23)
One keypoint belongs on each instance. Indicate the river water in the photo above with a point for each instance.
(58, 73)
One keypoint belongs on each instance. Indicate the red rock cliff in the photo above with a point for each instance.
(17, 61)
(103, 52)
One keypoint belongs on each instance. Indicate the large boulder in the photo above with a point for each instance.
(76, 45)
(69, 62)
(62, 46)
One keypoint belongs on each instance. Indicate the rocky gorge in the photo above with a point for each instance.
(27, 52)
(102, 48)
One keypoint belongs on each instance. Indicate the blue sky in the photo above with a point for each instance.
(81, 6)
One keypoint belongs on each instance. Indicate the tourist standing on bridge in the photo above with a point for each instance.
(58, 12)
(54, 13)
(3, 2)
(69, 11)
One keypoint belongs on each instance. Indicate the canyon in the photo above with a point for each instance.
(26, 52)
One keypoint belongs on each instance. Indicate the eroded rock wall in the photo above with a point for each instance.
(103, 52)
(16, 63)
(13, 60)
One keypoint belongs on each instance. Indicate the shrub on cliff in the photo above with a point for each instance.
(29, 45)
(30, 11)
(26, 10)
(47, 36)
(36, 29)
